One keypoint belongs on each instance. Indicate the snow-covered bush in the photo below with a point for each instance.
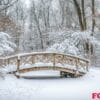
(5, 44)
(2, 73)
(77, 43)
(84, 41)
(83, 37)
(59, 36)
(64, 47)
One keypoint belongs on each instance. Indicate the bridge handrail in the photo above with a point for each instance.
(41, 53)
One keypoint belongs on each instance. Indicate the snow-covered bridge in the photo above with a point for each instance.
(65, 64)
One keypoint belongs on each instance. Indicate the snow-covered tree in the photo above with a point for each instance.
(85, 42)
(64, 47)
(6, 46)
(77, 43)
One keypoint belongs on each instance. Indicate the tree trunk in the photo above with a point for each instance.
(93, 14)
(83, 15)
(79, 13)
(36, 18)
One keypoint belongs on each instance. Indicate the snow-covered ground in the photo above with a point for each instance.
(81, 88)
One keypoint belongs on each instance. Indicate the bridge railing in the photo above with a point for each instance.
(45, 59)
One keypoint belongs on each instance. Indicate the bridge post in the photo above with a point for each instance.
(18, 63)
(61, 74)
(77, 72)
(8, 61)
(4, 62)
(87, 66)
(54, 60)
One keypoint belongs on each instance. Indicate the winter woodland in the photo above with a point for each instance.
(68, 26)
(62, 26)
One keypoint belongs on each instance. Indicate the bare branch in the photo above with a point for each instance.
(8, 5)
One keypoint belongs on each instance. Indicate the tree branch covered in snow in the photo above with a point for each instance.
(84, 41)
(64, 47)
(5, 44)
(77, 43)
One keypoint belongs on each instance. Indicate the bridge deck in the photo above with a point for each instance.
(66, 70)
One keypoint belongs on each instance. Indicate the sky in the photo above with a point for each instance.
(55, 3)
(27, 2)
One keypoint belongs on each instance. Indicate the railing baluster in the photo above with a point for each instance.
(63, 60)
(54, 60)
(8, 61)
(33, 59)
(77, 67)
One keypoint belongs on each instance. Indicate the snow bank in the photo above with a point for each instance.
(51, 89)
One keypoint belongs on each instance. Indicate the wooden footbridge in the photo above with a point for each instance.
(66, 64)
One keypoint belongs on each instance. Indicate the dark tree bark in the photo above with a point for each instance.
(8, 4)
(79, 13)
(82, 20)
(83, 15)
(93, 14)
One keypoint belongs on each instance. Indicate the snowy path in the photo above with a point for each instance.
(50, 89)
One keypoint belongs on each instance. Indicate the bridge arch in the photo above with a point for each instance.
(47, 61)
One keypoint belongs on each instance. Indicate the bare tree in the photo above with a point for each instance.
(62, 11)
(36, 19)
(81, 14)
(6, 5)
